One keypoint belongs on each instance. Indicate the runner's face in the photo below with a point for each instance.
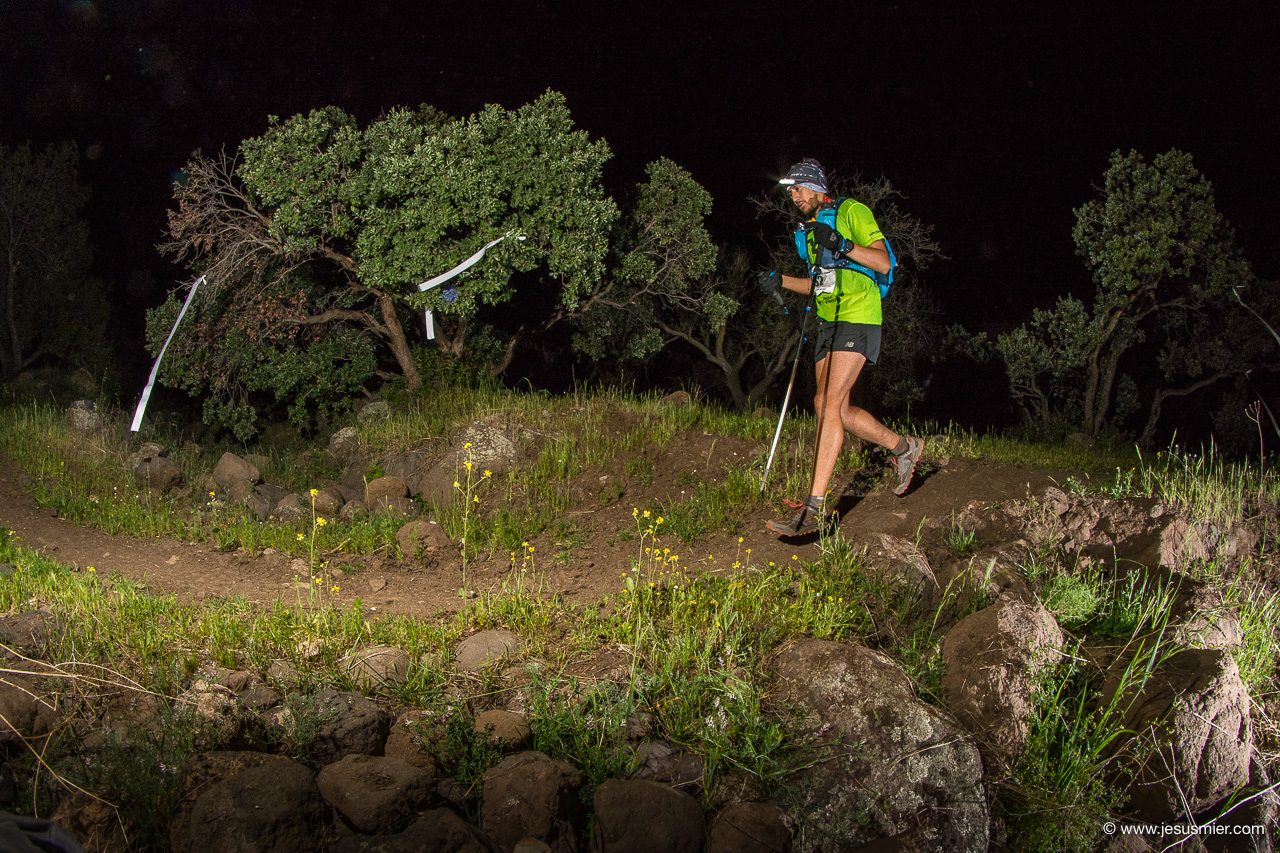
(806, 199)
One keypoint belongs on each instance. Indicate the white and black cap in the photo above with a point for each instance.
(808, 174)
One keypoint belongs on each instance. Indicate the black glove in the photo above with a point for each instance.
(769, 281)
(829, 238)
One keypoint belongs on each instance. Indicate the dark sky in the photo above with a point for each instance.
(995, 120)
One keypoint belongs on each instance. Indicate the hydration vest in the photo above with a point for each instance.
(830, 260)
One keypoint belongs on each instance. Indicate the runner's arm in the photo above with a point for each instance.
(873, 257)
(797, 284)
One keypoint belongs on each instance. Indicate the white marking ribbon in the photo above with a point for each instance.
(155, 368)
(445, 276)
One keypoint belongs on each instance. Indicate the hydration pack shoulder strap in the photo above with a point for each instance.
(830, 260)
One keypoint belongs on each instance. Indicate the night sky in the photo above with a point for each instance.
(994, 120)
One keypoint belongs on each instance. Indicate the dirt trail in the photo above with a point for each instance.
(589, 567)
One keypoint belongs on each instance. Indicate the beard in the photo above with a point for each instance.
(809, 206)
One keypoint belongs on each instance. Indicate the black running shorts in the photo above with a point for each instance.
(847, 337)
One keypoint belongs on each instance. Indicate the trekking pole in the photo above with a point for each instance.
(785, 400)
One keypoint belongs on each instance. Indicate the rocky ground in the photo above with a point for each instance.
(888, 765)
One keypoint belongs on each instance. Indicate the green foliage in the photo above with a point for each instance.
(663, 258)
(1164, 263)
(1065, 786)
(314, 242)
(50, 309)
(1046, 360)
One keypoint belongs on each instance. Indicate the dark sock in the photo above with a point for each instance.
(901, 447)
(813, 502)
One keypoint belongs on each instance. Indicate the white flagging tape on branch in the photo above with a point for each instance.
(155, 368)
(460, 268)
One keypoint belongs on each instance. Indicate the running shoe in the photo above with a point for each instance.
(806, 520)
(905, 465)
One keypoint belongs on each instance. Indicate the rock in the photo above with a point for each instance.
(884, 761)
(232, 469)
(408, 740)
(377, 666)
(503, 727)
(145, 450)
(283, 674)
(84, 416)
(270, 492)
(1182, 542)
(378, 795)
(676, 398)
(400, 508)
(485, 446)
(663, 761)
(78, 816)
(291, 508)
(1000, 568)
(529, 794)
(343, 444)
(422, 536)
(993, 658)
(258, 505)
(484, 649)
(750, 828)
(327, 502)
(639, 816)
(1196, 709)
(384, 487)
(349, 724)
(248, 802)
(1201, 618)
(260, 697)
(28, 714)
(1255, 806)
(903, 563)
(378, 411)
(413, 465)
(159, 473)
(26, 631)
(438, 831)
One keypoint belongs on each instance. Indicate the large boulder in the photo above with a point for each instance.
(993, 658)
(531, 795)
(377, 666)
(437, 831)
(1194, 711)
(899, 561)
(485, 446)
(484, 649)
(248, 802)
(376, 794)
(159, 473)
(885, 763)
(350, 724)
(640, 816)
(750, 828)
(232, 470)
(27, 713)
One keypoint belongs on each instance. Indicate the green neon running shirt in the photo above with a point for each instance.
(855, 298)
